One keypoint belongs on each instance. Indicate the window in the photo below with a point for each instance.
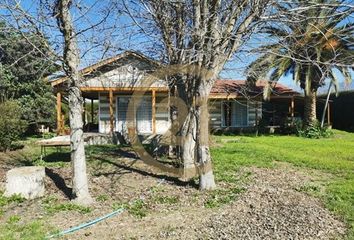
(143, 114)
(234, 114)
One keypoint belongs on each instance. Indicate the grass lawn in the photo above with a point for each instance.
(332, 156)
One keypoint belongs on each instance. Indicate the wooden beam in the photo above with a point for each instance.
(84, 112)
(238, 96)
(111, 116)
(256, 107)
(223, 96)
(292, 109)
(59, 124)
(91, 110)
(153, 111)
(124, 89)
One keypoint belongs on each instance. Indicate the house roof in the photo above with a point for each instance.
(239, 87)
(222, 87)
(95, 67)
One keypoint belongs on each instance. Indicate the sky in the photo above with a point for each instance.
(118, 33)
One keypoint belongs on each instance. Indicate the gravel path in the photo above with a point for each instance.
(271, 208)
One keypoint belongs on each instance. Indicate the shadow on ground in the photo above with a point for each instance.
(108, 154)
(57, 157)
(59, 182)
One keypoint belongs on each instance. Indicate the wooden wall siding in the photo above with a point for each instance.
(215, 114)
(130, 74)
(104, 116)
(252, 112)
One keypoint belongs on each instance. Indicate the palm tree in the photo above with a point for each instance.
(313, 49)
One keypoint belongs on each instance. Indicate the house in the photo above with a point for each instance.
(111, 83)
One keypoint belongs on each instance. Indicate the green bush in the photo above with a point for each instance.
(11, 125)
(314, 131)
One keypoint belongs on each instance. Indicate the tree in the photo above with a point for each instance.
(23, 68)
(11, 125)
(312, 49)
(71, 67)
(80, 38)
(200, 36)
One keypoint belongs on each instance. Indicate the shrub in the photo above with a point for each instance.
(11, 125)
(314, 131)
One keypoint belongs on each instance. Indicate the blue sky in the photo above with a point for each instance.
(125, 37)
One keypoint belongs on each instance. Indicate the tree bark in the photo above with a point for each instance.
(188, 143)
(78, 159)
(206, 176)
(310, 108)
(195, 139)
(195, 148)
(71, 59)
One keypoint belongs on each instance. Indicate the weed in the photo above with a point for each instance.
(170, 200)
(4, 201)
(52, 206)
(67, 207)
(308, 188)
(16, 198)
(14, 229)
(13, 219)
(136, 208)
(102, 198)
(222, 196)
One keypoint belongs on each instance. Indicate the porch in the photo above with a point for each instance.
(105, 110)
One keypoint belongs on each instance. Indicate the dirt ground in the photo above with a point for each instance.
(270, 206)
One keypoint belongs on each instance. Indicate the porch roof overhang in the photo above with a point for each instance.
(93, 92)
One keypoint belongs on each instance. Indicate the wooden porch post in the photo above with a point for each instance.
(59, 127)
(111, 122)
(84, 112)
(292, 109)
(91, 110)
(256, 123)
(153, 111)
(329, 114)
(256, 113)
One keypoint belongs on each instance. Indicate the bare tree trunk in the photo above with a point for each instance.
(310, 108)
(71, 59)
(188, 143)
(78, 159)
(195, 148)
(194, 133)
(206, 176)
